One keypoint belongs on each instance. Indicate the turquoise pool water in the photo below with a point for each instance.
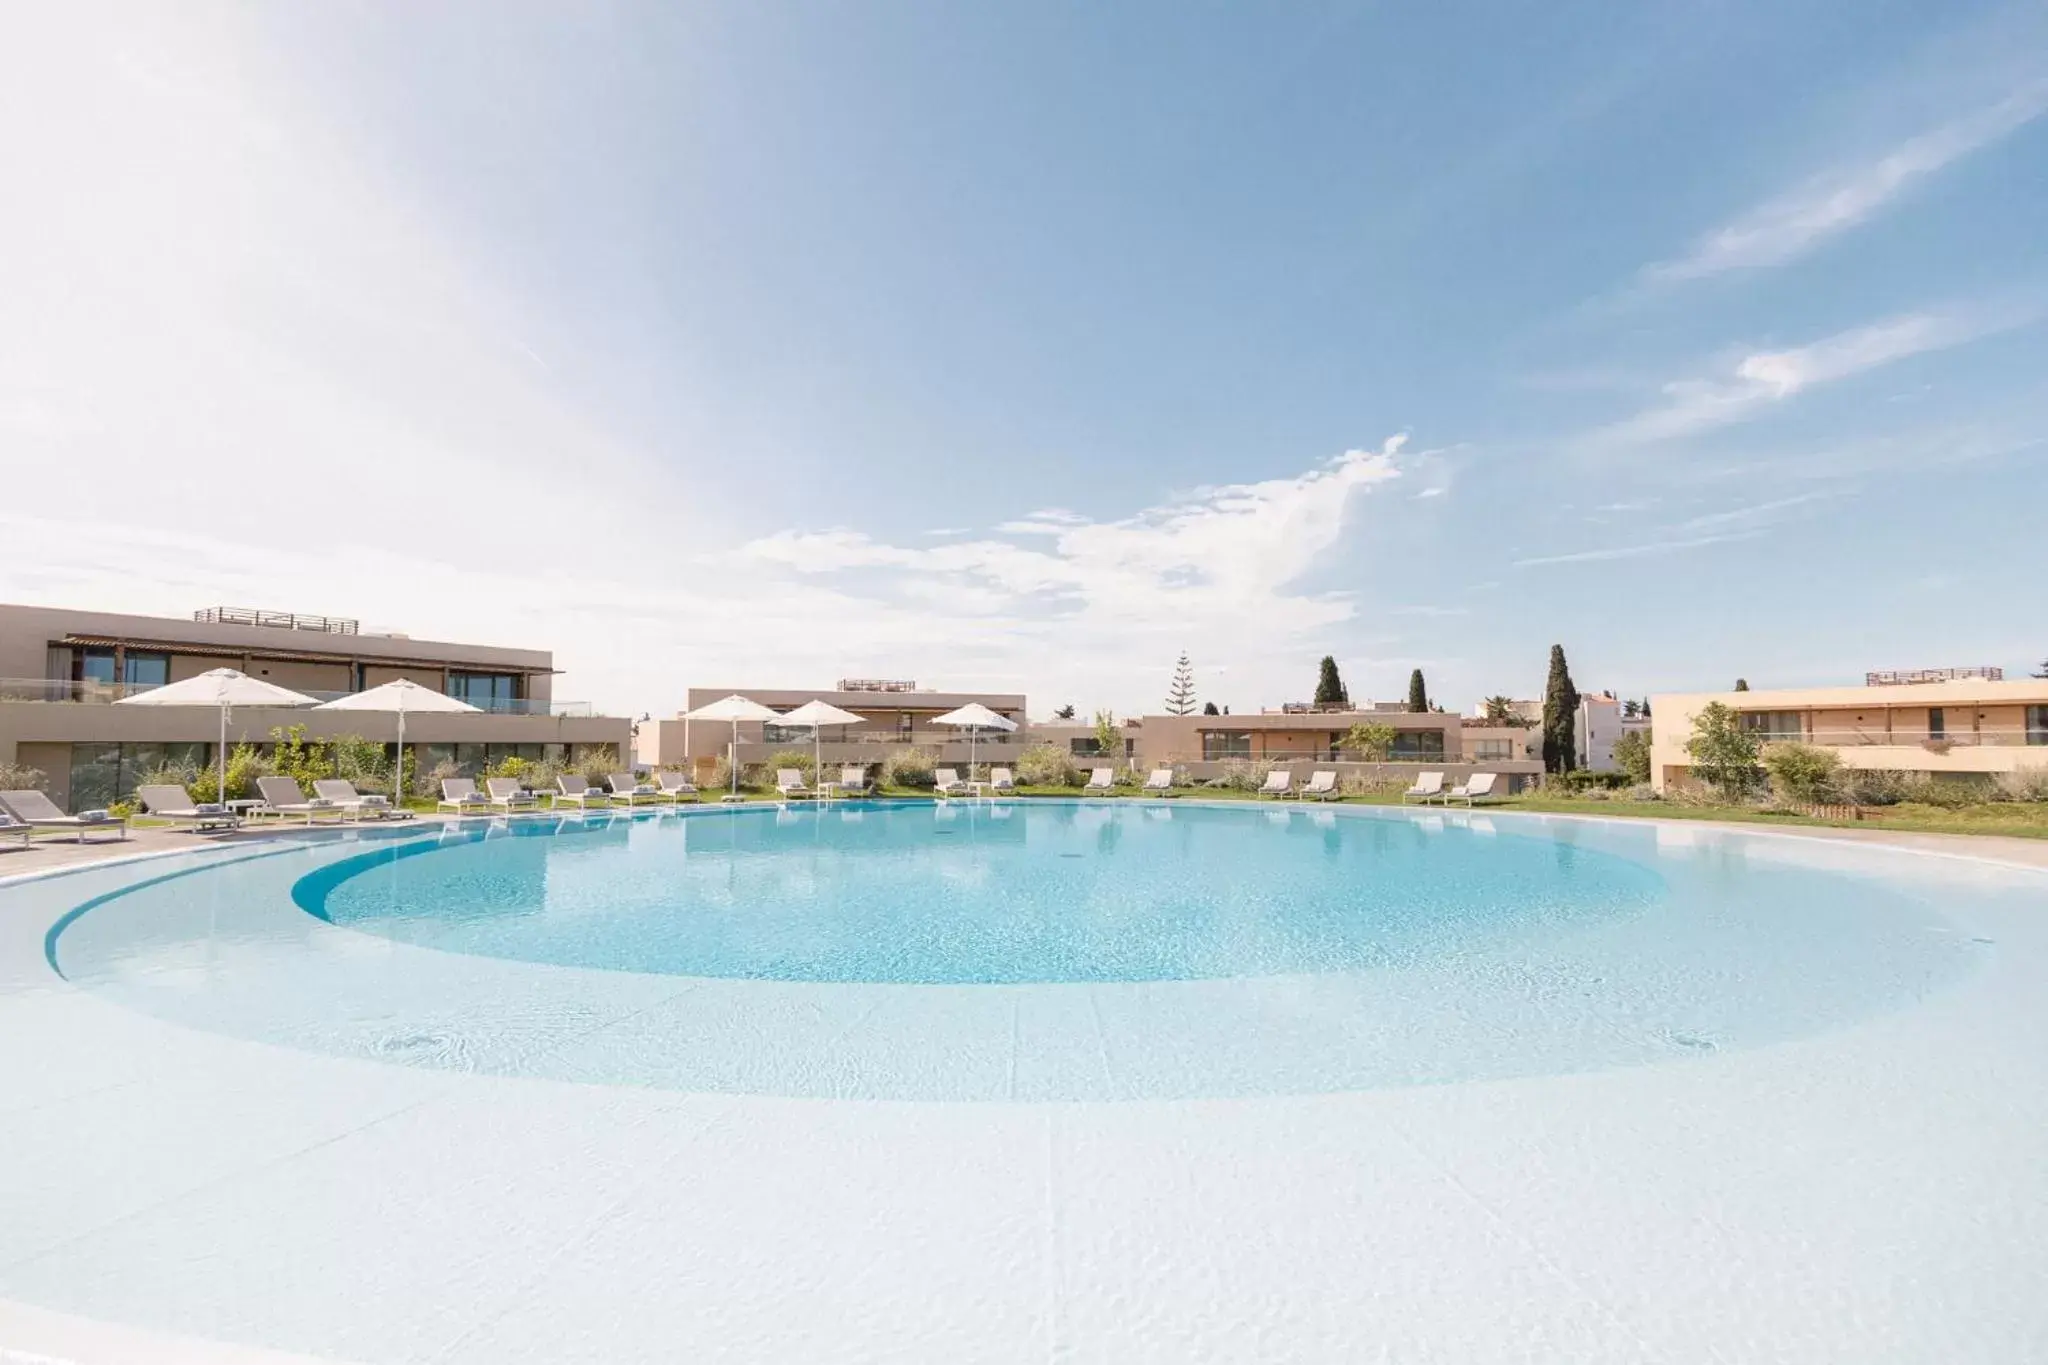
(1029, 951)
(978, 894)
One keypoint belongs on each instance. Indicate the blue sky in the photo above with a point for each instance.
(1024, 347)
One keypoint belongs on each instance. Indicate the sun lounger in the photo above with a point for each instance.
(631, 790)
(854, 778)
(1100, 780)
(946, 782)
(459, 794)
(1477, 787)
(282, 798)
(38, 811)
(1322, 786)
(1427, 788)
(11, 826)
(1279, 784)
(1001, 780)
(176, 805)
(1160, 782)
(576, 791)
(507, 795)
(676, 786)
(789, 783)
(359, 805)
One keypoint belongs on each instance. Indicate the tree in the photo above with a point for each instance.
(1723, 753)
(1369, 740)
(1560, 716)
(1742, 684)
(1644, 711)
(1628, 709)
(1418, 695)
(1180, 698)
(1209, 709)
(1330, 685)
(1501, 711)
(1109, 740)
(1065, 712)
(2042, 671)
(1805, 773)
(1632, 755)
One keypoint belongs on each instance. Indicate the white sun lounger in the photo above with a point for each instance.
(1427, 788)
(38, 811)
(1100, 780)
(1475, 788)
(10, 825)
(459, 794)
(854, 778)
(631, 790)
(1322, 786)
(1160, 782)
(176, 805)
(1279, 784)
(676, 786)
(1001, 780)
(282, 798)
(370, 806)
(576, 791)
(507, 795)
(946, 782)
(790, 784)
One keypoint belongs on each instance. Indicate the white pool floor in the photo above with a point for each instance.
(1875, 1194)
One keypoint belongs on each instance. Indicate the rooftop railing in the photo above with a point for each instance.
(280, 620)
(66, 692)
(1908, 737)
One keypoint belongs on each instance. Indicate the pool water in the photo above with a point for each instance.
(980, 894)
(1031, 951)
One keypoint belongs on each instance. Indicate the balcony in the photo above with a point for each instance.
(64, 692)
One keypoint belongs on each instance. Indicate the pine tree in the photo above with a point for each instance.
(1330, 685)
(1065, 712)
(1209, 709)
(1560, 716)
(1645, 712)
(1742, 684)
(1180, 698)
(2042, 671)
(1418, 695)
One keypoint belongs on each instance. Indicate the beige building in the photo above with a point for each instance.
(60, 669)
(894, 714)
(1964, 722)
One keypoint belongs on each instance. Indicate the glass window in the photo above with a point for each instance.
(95, 776)
(1085, 746)
(1418, 745)
(1220, 744)
(471, 758)
(1937, 723)
(1769, 725)
(96, 665)
(145, 670)
(2037, 725)
(771, 733)
(1493, 750)
(486, 691)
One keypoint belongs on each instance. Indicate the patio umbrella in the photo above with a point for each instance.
(400, 695)
(226, 688)
(974, 718)
(735, 709)
(817, 715)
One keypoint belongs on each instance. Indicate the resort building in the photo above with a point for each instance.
(895, 713)
(1303, 737)
(1969, 723)
(1599, 724)
(60, 669)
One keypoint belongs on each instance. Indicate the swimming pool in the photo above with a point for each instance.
(1037, 1080)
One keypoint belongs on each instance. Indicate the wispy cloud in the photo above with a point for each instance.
(1762, 379)
(1654, 547)
(1787, 226)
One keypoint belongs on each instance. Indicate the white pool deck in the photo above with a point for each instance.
(1874, 1194)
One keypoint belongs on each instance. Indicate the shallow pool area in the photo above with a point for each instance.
(1031, 1080)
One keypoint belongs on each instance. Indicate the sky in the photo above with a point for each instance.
(1024, 347)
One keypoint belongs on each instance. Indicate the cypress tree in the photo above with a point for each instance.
(1560, 716)
(1418, 695)
(1180, 698)
(1329, 685)
(1209, 709)
(1742, 684)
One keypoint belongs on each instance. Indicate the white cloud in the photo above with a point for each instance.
(1794, 222)
(1757, 381)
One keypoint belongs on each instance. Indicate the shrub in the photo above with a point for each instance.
(1583, 781)
(1948, 793)
(1643, 791)
(2021, 786)
(1047, 765)
(245, 765)
(717, 775)
(1873, 786)
(1369, 741)
(594, 762)
(1242, 774)
(800, 759)
(427, 781)
(1803, 773)
(19, 777)
(519, 769)
(1723, 753)
(304, 761)
(361, 761)
(909, 768)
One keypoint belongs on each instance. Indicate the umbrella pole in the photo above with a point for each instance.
(221, 758)
(733, 758)
(398, 767)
